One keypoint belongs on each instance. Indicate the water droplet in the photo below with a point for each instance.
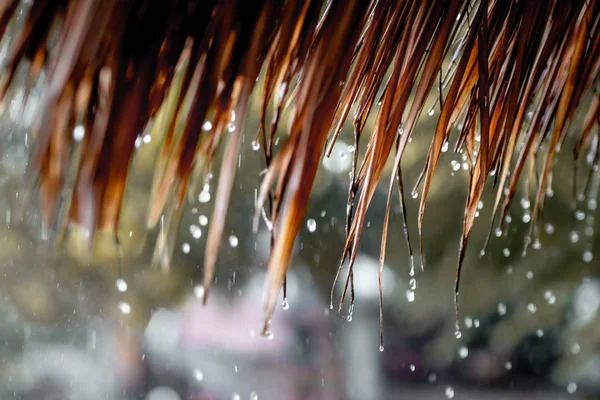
(531, 307)
(285, 305)
(269, 335)
(198, 375)
(231, 127)
(147, 139)
(588, 256)
(413, 283)
(549, 228)
(311, 224)
(351, 149)
(195, 231)
(463, 352)
(203, 220)
(571, 387)
(445, 147)
(506, 252)
(498, 232)
(575, 349)
(449, 392)
(255, 145)
(457, 334)
(410, 296)
(574, 237)
(525, 203)
(529, 275)
(537, 244)
(468, 322)
(124, 307)
(508, 365)
(526, 218)
(185, 248)
(455, 165)
(476, 323)
(207, 125)
(414, 194)
(579, 215)
(539, 333)
(78, 133)
(431, 112)
(121, 285)
(342, 155)
(592, 204)
(501, 308)
(432, 377)
(413, 367)
(204, 196)
(199, 291)
(253, 396)
(233, 241)
(236, 396)
(381, 348)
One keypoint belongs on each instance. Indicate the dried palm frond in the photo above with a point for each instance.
(113, 63)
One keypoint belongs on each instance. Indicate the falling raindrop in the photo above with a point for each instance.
(199, 291)
(124, 307)
(198, 375)
(204, 196)
(410, 296)
(574, 237)
(233, 241)
(185, 248)
(539, 333)
(311, 224)
(195, 231)
(78, 133)
(501, 308)
(413, 283)
(529, 275)
(449, 392)
(468, 322)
